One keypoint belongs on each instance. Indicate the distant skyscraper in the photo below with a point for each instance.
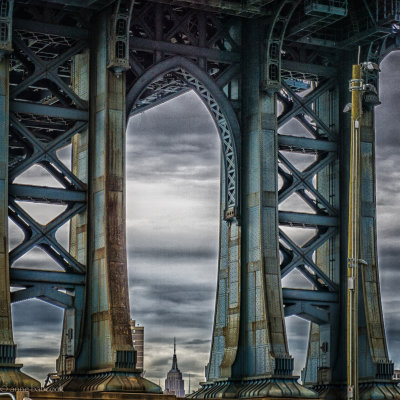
(174, 384)
(138, 343)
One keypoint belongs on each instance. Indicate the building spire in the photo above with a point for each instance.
(174, 383)
(174, 359)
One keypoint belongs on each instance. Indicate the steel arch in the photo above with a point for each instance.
(220, 108)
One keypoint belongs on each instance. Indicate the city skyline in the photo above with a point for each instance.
(173, 237)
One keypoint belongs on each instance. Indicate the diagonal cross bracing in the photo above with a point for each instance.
(45, 115)
(305, 184)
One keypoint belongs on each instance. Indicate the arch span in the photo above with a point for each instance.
(182, 73)
(189, 75)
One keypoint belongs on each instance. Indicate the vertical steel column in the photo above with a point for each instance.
(106, 359)
(370, 318)
(375, 368)
(249, 338)
(109, 317)
(263, 331)
(10, 374)
(263, 350)
(323, 346)
(73, 317)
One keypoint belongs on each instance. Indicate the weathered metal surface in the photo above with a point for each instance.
(245, 8)
(5, 311)
(372, 308)
(78, 395)
(72, 5)
(10, 374)
(322, 343)
(292, 54)
(73, 321)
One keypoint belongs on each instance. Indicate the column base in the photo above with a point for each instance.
(11, 377)
(104, 382)
(97, 396)
(376, 390)
(267, 388)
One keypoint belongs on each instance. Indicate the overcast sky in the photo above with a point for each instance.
(172, 227)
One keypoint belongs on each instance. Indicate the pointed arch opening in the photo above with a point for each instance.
(184, 207)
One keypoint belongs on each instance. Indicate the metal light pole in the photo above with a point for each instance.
(356, 87)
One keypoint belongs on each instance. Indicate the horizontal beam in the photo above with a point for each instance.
(183, 50)
(376, 32)
(369, 34)
(50, 29)
(306, 220)
(305, 24)
(44, 194)
(43, 292)
(307, 311)
(90, 4)
(309, 69)
(302, 144)
(318, 42)
(226, 6)
(48, 111)
(23, 277)
(313, 296)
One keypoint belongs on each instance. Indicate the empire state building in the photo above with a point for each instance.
(174, 384)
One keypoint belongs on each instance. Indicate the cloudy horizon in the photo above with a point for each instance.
(173, 156)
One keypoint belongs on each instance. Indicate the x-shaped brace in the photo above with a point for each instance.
(47, 154)
(303, 181)
(44, 236)
(303, 255)
(48, 70)
(303, 105)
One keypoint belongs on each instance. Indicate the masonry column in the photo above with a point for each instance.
(106, 360)
(10, 374)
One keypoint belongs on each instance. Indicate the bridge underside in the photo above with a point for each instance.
(274, 76)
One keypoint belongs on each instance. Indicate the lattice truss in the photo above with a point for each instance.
(45, 113)
(160, 32)
(309, 193)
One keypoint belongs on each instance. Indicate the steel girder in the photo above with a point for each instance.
(206, 52)
(313, 119)
(44, 114)
(10, 374)
(318, 134)
(35, 142)
(47, 107)
(158, 58)
(242, 8)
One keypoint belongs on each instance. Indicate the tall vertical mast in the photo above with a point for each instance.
(356, 85)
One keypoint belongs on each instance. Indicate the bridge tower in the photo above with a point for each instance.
(274, 75)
